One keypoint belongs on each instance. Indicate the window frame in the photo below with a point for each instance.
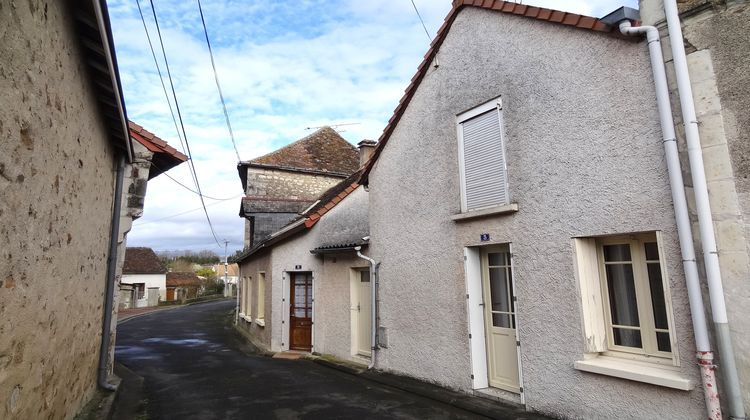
(496, 104)
(261, 301)
(649, 350)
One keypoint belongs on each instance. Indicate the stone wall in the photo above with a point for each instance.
(57, 171)
(291, 185)
(275, 197)
(718, 55)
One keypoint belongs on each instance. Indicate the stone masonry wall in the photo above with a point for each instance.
(718, 55)
(56, 183)
(274, 183)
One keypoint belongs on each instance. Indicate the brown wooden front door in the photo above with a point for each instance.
(170, 294)
(300, 312)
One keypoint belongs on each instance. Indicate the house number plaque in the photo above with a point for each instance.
(484, 237)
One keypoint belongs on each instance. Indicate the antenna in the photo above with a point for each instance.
(333, 126)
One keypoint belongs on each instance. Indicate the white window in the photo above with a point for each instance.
(626, 305)
(261, 296)
(481, 155)
(246, 292)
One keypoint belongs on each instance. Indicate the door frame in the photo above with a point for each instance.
(354, 289)
(286, 281)
(476, 316)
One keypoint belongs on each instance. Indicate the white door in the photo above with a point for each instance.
(364, 317)
(500, 318)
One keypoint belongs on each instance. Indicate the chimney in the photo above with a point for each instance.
(366, 147)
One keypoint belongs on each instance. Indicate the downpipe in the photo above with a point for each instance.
(374, 266)
(109, 297)
(705, 219)
(684, 229)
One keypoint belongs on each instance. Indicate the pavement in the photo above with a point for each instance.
(190, 363)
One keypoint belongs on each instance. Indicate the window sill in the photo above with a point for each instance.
(635, 371)
(246, 318)
(490, 211)
(261, 322)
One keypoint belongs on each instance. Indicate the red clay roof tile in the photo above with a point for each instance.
(165, 156)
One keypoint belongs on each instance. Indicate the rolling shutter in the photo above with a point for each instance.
(484, 162)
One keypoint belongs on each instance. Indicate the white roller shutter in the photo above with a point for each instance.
(485, 181)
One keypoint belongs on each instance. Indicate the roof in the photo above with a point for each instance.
(232, 270)
(531, 12)
(182, 279)
(311, 216)
(142, 260)
(322, 152)
(332, 249)
(95, 33)
(165, 156)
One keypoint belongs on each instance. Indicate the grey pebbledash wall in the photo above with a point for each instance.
(585, 158)
(56, 183)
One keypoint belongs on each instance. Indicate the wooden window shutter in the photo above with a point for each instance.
(485, 178)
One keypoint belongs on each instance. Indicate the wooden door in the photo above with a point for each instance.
(170, 294)
(500, 319)
(300, 312)
(364, 317)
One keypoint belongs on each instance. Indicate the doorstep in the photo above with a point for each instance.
(290, 355)
(478, 405)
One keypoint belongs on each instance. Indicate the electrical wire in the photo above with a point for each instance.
(182, 125)
(161, 78)
(172, 216)
(420, 19)
(218, 86)
(164, 172)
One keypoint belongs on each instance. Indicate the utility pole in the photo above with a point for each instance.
(226, 266)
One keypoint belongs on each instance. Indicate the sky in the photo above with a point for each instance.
(283, 66)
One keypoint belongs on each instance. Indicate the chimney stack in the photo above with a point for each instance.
(366, 147)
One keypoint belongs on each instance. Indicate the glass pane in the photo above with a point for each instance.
(657, 296)
(662, 342)
(652, 251)
(501, 320)
(299, 312)
(628, 338)
(497, 258)
(616, 252)
(622, 301)
(499, 290)
(364, 276)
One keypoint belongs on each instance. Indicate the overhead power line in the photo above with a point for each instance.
(163, 172)
(218, 86)
(172, 216)
(182, 125)
(425, 29)
(161, 78)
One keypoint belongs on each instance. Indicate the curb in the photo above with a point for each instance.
(473, 404)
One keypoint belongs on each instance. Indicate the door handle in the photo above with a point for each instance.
(359, 309)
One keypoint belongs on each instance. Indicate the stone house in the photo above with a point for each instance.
(63, 163)
(228, 275)
(715, 37)
(529, 251)
(283, 183)
(182, 285)
(143, 274)
(304, 288)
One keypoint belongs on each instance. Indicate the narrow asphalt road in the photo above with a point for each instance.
(195, 366)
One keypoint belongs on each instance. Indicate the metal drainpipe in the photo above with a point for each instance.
(373, 305)
(682, 218)
(705, 219)
(109, 297)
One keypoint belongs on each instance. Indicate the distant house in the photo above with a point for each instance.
(282, 184)
(230, 279)
(304, 287)
(182, 285)
(142, 273)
